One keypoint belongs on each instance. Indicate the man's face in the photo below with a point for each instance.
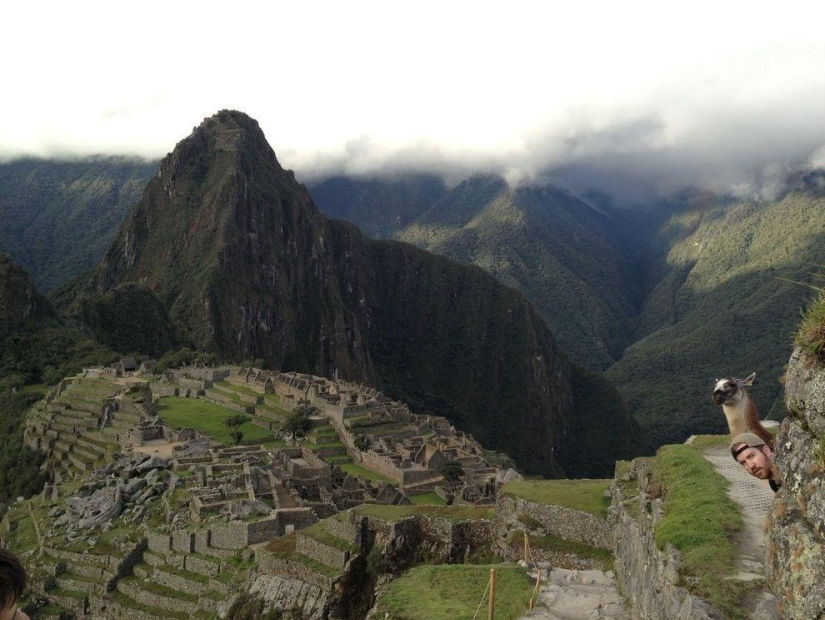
(757, 461)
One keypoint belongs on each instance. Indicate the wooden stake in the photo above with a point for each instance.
(492, 608)
(525, 546)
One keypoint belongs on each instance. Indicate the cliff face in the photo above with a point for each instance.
(796, 524)
(241, 262)
(19, 300)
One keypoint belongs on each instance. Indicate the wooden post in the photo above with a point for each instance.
(492, 607)
(535, 596)
(525, 546)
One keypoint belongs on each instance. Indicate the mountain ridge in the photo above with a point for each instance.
(554, 248)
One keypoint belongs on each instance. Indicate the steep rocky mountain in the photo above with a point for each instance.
(58, 217)
(379, 206)
(227, 252)
(726, 282)
(560, 252)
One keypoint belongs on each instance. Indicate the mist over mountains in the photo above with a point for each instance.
(664, 299)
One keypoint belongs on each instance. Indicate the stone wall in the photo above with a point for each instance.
(159, 542)
(234, 535)
(298, 518)
(382, 465)
(270, 564)
(194, 384)
(183, 541)
(648, 577)
(264, 530)
(563, 522)
(345, 530)
(320, 552)
(424, 538)
(201, 566)
(795, 562)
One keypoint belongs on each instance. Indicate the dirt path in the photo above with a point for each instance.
(158, 447)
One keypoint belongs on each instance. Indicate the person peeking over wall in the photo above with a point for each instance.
(756, 457)
(12, 584)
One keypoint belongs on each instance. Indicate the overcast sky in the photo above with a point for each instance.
(632, 97)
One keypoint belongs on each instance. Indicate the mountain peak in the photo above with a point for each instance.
(223, 138)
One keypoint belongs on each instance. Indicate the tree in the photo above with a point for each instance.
(453, 473)
(298, 423)
(235, 422)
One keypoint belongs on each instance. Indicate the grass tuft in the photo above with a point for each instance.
(811, 333)
(455, 591)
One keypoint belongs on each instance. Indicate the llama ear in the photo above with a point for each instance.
(749, 380)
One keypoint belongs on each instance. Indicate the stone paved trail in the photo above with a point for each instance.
(578, 595)
(754, 497)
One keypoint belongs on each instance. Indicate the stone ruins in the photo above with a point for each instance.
(135, 500)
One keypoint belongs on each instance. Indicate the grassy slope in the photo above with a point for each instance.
(207, 417)
(455, 591)
(700, 520)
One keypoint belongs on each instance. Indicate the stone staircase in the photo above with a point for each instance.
(578, 595)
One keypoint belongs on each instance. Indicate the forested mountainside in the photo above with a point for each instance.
(58, 217)
(707, 286)
(35, 347)
(378, 206)
(228, 253)
(726, 284)
(560, 252)
(35, 344)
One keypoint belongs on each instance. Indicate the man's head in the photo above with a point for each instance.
(753, 454)
(12, 580)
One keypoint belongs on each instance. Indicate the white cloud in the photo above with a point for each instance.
(646, 92)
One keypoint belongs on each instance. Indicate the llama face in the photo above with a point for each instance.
(726, 391)
(729, 391)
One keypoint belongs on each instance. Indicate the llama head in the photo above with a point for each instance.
(729, 391)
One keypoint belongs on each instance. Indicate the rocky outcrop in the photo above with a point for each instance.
(795, 562)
